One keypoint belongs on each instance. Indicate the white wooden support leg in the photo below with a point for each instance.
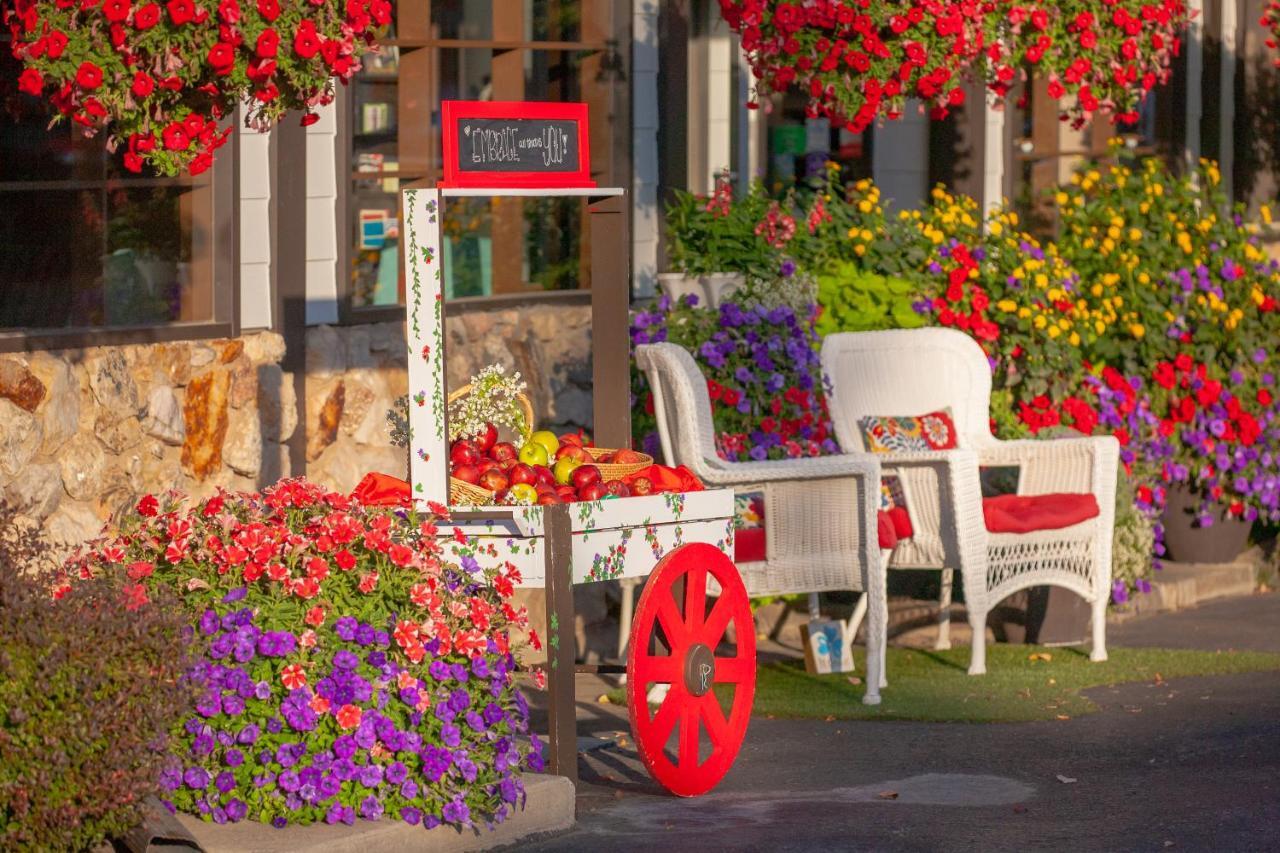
(944, 611)
(1099, 650)
(855, 619)
(978, 657)
(627, 588)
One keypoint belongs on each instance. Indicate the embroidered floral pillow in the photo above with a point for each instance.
(887, 434)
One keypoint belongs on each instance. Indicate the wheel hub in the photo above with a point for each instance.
(699, 669)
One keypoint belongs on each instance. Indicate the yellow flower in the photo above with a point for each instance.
(1143, 278)
(1040, 322)
(860, 249)
(853, 232)
(1100, 326)
(1265, 213)
(1007, 305)
(1135, 235)
(1137, 330)
(865, 206)
(1074, 339)
(995, 228)
(1054, 331)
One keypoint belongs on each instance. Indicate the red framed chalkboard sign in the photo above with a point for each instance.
(515, 144)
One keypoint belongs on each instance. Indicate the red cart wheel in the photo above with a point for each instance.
(673, 642)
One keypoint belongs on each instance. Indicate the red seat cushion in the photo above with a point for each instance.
(749, 544)
(1029, 513)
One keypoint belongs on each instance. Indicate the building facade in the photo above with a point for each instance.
(230, 329)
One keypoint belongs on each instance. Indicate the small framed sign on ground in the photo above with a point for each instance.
(518, 144)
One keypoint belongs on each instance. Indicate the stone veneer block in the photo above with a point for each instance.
(205, 414)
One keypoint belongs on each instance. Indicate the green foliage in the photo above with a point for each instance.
(88, 692)
(857, 300)
(718, 234)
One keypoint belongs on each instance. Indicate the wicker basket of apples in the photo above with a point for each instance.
(544, 469)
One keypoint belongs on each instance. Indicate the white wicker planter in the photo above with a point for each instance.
(710, 289)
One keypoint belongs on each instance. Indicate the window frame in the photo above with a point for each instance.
(224, 261)
(348, 313)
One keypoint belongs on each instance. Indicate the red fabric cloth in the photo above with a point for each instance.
(749, 545)
(666, 479)
(902, 528)
(1029, 513)
(886, 529)
(382, 490)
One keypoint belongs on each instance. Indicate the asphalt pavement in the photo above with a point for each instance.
(1188, 764)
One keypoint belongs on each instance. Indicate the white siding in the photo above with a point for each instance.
(255, 229)
(900, 158)
(322, 222)
(644, 145)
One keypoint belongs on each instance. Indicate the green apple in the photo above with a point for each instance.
(547, 439)
(564, 469)
(533, 453)
(524, 493)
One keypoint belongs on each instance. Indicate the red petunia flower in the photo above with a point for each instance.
(175, 137)
(349, 716)
(181, 11)
(306, 42)
(143, 85)
(31, 82)
(88, 76)
(268, 44)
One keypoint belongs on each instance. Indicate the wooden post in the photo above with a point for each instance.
(610, 335)
(563, 739)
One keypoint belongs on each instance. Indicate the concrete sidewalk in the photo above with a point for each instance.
(1187, 764)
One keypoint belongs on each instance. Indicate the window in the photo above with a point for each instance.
(87, 247)
(508, 50)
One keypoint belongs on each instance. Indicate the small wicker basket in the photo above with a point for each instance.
(614, 471)
(462, 493)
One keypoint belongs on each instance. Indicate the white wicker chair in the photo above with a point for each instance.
(819, 514)
(916, 371)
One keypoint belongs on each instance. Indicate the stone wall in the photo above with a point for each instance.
(85, 432)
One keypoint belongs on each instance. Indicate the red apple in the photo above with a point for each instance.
(567, 494)
(463, 452)
(503, 450)
(487, 438)
(548, 499)
(641, 486)
(508, 464)
(592, 491)
(584, 474)
(502, 497)
(545, 475)
(617, 488)
(626, 456)
(494, 480)
(573, 451)
(571, 438)
(467, 473)
(521, 473)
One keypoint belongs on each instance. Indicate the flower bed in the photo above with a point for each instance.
(345, 671)
(1152, 316)
(763, 376)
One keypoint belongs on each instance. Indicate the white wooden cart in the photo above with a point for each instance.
(683, 543)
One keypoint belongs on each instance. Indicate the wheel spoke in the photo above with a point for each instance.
(672, 624)
(665, 720)
(695, 599)
(712, 630)
(688, 753)
(713, 718)
(664, 669)
(734, 670)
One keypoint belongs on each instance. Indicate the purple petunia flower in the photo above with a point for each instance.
(410, 815)
(345, 627)
(456, 811)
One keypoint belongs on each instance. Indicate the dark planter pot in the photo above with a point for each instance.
(1047, 615)
(1185, 541)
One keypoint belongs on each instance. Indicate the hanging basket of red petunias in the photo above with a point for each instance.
(859, 60)
(159, 78)
(1270, 21)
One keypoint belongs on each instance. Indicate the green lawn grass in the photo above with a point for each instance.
(1020, 684)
